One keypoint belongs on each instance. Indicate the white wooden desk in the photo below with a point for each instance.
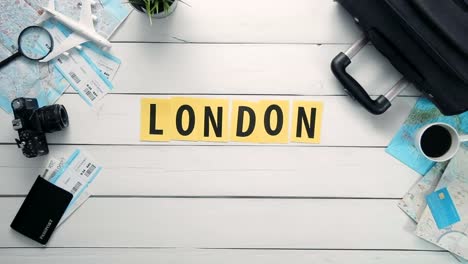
(230, 203)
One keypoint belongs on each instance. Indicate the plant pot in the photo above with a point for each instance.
(161, 14)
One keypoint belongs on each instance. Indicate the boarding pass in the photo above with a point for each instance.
(76, 174)
(106, 62)
(83, 77)
(91, 82)
(53, 166)
(80, 200)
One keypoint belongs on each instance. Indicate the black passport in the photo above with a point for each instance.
(41, 211)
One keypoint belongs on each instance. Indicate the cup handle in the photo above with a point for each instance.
(463, 138)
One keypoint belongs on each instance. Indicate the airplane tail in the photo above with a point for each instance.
(46, 15)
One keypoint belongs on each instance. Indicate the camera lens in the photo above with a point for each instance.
(52, 118)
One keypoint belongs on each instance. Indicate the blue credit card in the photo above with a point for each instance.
(442, 208)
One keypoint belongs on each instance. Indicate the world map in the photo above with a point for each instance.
(402, 145)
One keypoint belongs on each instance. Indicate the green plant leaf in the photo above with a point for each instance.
(152, 7)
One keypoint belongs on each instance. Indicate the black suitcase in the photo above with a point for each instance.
(426, 40)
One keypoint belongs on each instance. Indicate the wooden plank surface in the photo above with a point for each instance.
(182, 202)
(155, 68)
(210, 256)
(261, 21)
(282, 69)
(225, 171)
(228, 223)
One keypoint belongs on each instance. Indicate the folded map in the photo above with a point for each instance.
(454, 182)
(414, 201)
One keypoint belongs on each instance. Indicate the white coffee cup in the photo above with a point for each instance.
(449, 141)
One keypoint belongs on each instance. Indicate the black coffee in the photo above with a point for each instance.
(436, 141)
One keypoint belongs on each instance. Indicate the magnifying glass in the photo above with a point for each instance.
(34, 43)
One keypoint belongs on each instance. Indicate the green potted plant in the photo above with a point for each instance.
(155, 8)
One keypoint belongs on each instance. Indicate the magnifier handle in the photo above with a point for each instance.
(9, 59)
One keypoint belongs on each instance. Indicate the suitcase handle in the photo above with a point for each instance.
(355, 90)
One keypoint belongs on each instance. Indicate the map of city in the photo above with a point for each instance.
(414, 201)
(453, 238)
(43, 81)
(402, 145)
(24, 77)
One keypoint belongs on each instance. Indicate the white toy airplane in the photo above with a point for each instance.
(83, 30)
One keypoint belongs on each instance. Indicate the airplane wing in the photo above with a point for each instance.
(72, 41)
(86, 16)
(45, 13)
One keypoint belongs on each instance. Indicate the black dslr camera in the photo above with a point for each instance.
(33, 122)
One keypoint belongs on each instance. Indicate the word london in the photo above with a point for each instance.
(222, 120)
